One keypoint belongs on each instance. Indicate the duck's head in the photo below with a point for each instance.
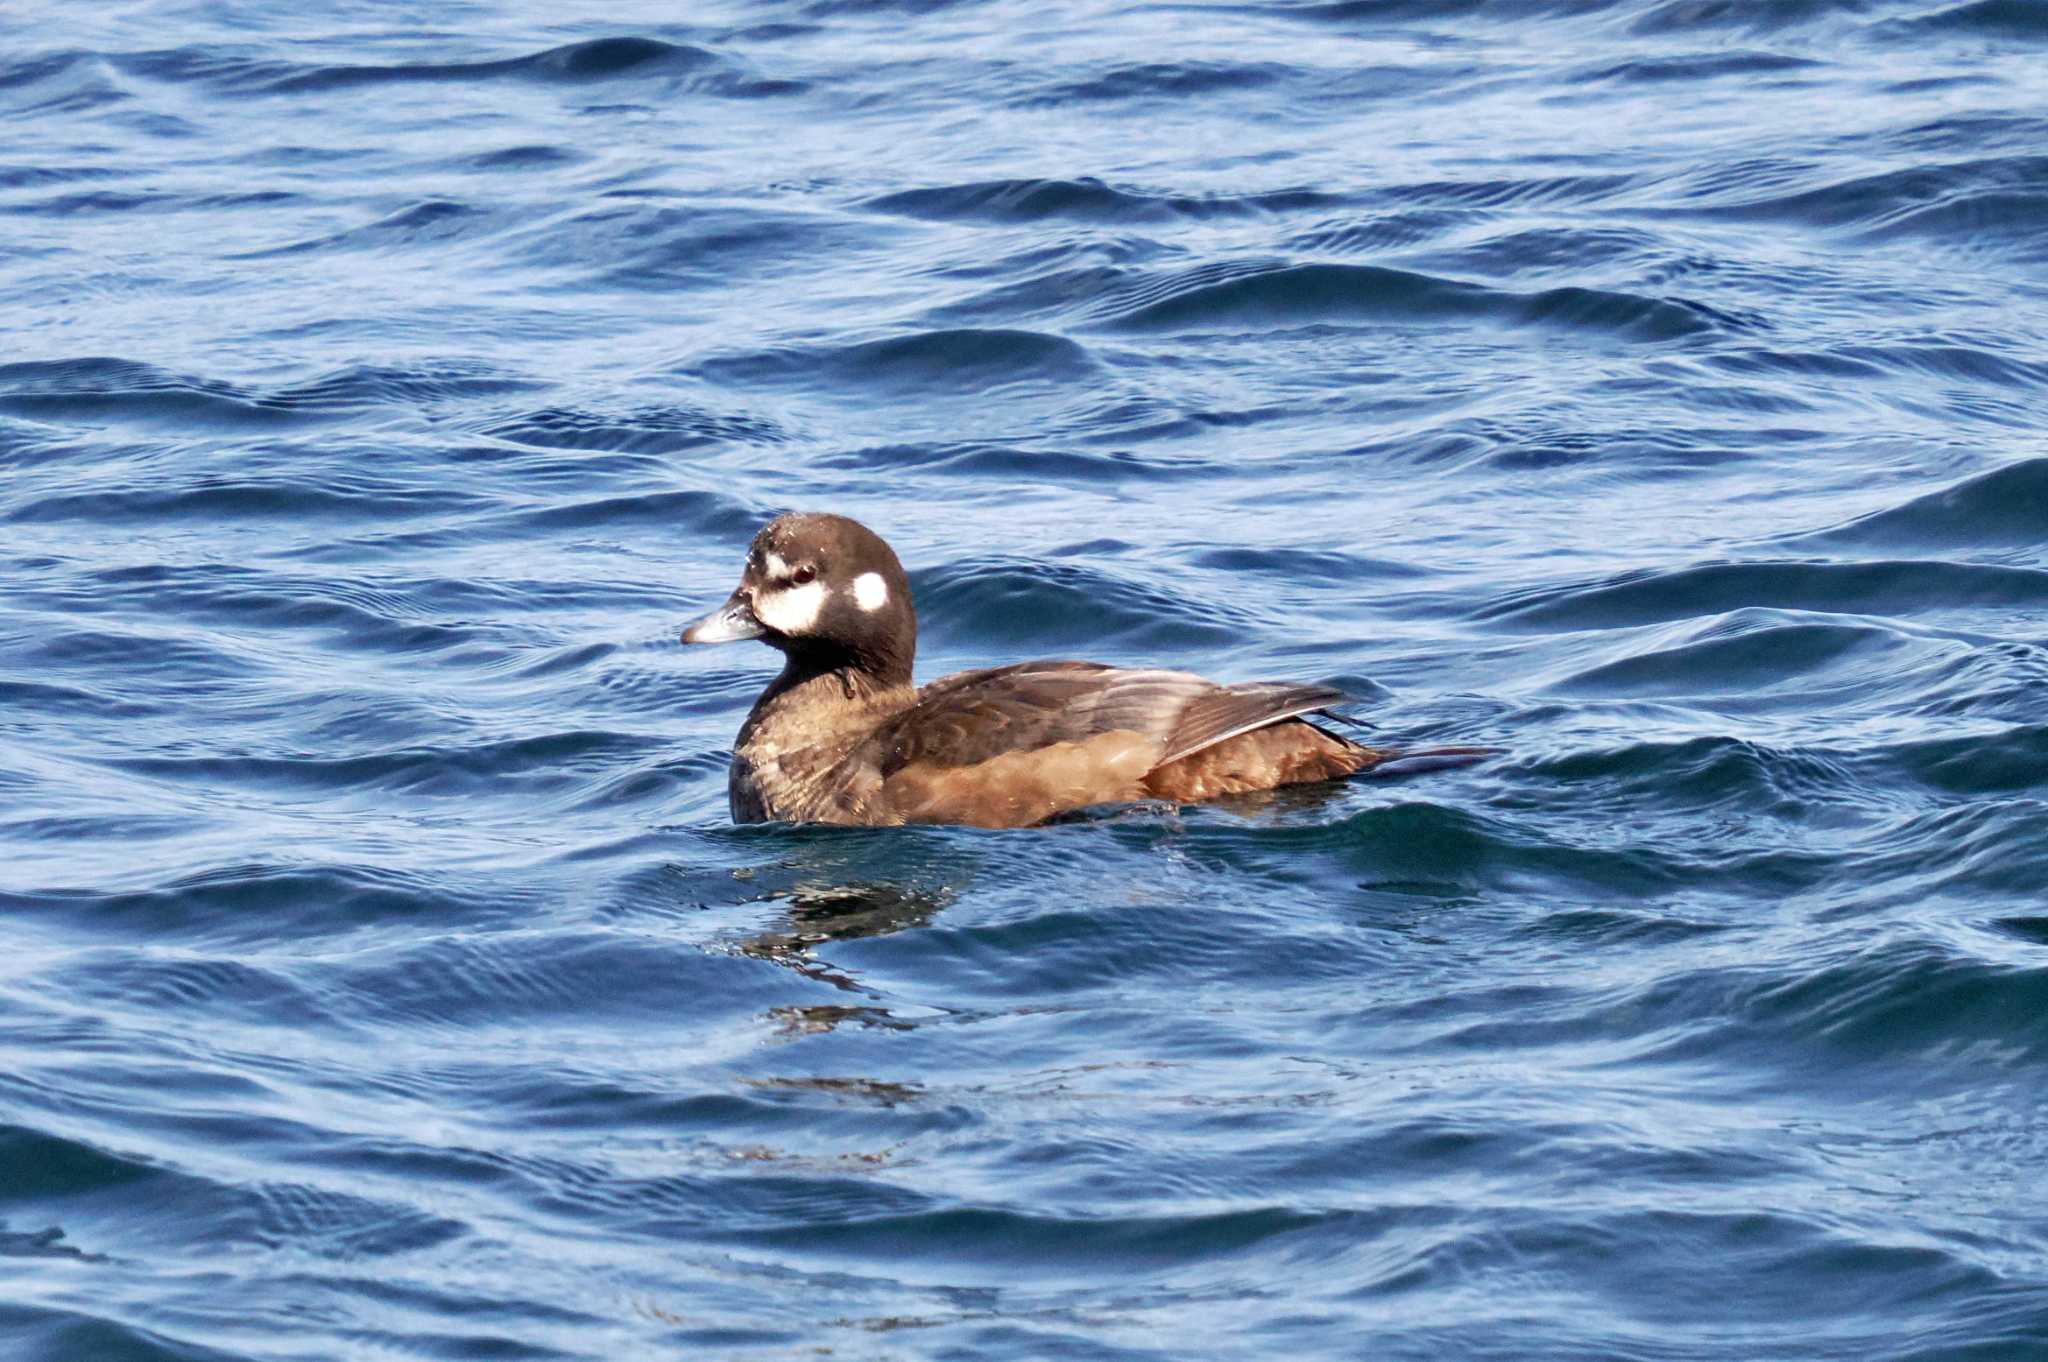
(826, 591)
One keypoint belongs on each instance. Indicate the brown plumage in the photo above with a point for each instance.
(842, 735)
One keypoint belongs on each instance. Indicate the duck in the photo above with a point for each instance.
(844, 735)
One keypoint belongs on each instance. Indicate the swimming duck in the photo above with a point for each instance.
(843, 735)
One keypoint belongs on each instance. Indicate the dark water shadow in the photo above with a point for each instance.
(43, 1243)
(821, 913)
(839, 885)
(824, 913)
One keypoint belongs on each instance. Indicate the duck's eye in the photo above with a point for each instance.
(804, 575)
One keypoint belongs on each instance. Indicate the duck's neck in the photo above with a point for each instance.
(815, 704)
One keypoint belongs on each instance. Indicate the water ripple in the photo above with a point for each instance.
(1650, 389)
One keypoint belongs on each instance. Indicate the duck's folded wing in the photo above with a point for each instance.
(1226, 711)
(977, 717)
(1017, 745)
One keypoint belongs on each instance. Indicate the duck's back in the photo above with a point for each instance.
(1013, 746)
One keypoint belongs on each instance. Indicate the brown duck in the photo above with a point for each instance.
(844, 736)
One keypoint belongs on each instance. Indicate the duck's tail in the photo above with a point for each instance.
(1411, 761)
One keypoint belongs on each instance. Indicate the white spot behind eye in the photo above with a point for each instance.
(870, 592)
(777, 569)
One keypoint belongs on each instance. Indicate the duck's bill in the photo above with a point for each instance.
(729, 623)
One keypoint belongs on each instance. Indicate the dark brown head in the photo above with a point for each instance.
(826, 591)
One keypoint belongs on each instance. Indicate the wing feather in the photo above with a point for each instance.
(1226, 711)
(973, 717)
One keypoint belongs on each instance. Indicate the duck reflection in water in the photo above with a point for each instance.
(826, 900)
(821, 913)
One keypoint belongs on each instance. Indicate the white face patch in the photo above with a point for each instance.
(870, 592)
(792, 610)
(775, 569)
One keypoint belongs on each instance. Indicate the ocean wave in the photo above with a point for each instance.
(1386, 231)
(360, 385)
(481, 982)
(1164, 80)
(972, 461)
(1800, 803)
(992, 1243)
(525, 159)
(1401, 846)
(1757, 655)
(1306, 294)
(1959, 200)
(640, 243)
(434, 222)
(1509, 191)
(1084, 200)
(1293, 569)
(359, 498)
(2006, 507)
(1714, 16)
(1566, 251)
(1901, 587)
(550, 763)
(703, 511)
(1055, 606)
(1371, 14)
(2007, 761)
(254, 901)
(968, 364)
(674, 65)
(1862, 1005)
(30, 176)
(69, 81)
(654, 429)
(98, 387)
(1703, 66)
(2017, 19)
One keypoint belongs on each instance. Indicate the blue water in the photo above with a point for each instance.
(1653, 388)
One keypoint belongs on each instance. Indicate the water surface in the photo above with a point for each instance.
(1650, 387)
